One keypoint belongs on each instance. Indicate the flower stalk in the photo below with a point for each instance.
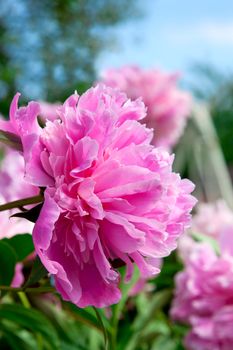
(22, 202)
(28, 290)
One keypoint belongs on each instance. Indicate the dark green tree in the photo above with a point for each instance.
(48, 48)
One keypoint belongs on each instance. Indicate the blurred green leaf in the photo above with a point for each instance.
(85, 316)
(68, 346)
(8, 260)
(38, 271)
(223, 120)
(117, 309)
(66, 326)
(15, 341)
(142, 321)
(208, 159)
(165, 343)
(204, 238)
(22, 245)
(125, 289)
(170, 267)
(32, 320)
(104, 331)
(157, 302)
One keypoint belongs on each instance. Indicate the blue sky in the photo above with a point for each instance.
(174, 34)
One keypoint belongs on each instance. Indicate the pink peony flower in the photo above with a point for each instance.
(109, 194)
(212, 218)
(167, 107)
(204, 297)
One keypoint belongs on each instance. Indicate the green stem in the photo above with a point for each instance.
(22, 202)
(113, 339)
(103, 328)
(28, 290)
(24, 300)
(39, 340)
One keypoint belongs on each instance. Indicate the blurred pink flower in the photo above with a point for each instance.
(18, 279)
(167, 106)
(109, 196)
(185, 245)
(212, 218)
(204, 297)
(212, 334)
(48, 111)
(13, 187)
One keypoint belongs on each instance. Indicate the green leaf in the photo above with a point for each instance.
(32, 320)
(8, 260)
(159, 300)
(22, 245)
(66, 327)
(68, 346)
(208, 159)
(125, 289)
(165, 343)
(14, 341)
(170, 267)
(117, 309)
(37, 273)
(83, 315)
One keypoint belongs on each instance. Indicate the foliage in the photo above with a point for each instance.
(48, 48)
(50, 64)
(215, 87)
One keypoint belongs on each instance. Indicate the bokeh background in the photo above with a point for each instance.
(50, 48)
